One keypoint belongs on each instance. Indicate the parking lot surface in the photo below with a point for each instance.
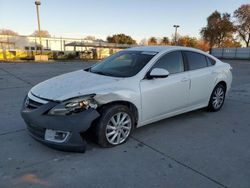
(196, 149)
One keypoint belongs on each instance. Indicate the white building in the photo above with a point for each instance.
(9, 42)
(27, 46)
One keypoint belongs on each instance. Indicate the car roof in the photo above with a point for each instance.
(161, 48)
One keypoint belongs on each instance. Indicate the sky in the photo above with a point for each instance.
(137, 18)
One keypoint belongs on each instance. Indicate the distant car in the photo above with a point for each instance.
(129, 89)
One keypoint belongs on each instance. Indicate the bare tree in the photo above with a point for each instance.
(89, 37)
(8, 32)
(43, 33)
(242, 16)
(143, 42)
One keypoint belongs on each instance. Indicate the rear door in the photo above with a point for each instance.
(202, 75)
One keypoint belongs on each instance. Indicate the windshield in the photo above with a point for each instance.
(123, 63)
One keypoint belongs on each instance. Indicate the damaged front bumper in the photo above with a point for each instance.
(59, 132)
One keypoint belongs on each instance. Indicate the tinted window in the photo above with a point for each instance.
(172, 62)
(195, 60)
(210, 61)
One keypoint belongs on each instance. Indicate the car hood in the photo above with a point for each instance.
(73, 84)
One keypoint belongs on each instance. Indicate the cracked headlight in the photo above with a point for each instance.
(74, 105)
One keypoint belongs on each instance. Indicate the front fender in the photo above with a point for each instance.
(121, 95)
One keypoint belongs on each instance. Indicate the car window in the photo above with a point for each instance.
(210, 61)
(172, 62)
(195, 60)
(123, 64)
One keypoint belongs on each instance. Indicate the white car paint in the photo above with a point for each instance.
(154, 99)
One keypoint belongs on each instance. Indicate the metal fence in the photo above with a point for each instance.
(231, 53)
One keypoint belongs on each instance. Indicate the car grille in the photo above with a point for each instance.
(36, 131)
(31, 104)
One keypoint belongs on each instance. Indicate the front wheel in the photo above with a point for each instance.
(114, 126)
(217, 98)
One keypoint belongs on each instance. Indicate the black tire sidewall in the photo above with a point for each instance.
(106, 114)
(211, 106)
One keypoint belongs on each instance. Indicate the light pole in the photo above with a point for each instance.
(38, 3)
(175, 36)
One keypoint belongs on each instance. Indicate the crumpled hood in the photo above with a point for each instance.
(73, 84)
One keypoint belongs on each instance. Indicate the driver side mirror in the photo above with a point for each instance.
(158, 73)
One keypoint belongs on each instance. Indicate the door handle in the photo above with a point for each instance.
(185, 79)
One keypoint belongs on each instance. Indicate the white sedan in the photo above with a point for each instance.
(129, 89)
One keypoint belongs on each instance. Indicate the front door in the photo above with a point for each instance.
(161, 96)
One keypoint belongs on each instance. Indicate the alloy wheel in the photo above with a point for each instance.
(118, 128)
(218, 97)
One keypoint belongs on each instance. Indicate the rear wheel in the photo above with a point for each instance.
(217, 98)
(114, 126)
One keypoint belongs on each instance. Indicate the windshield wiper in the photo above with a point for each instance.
(102, 73)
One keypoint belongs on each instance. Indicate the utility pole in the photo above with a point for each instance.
(175, 36)
(38, 3)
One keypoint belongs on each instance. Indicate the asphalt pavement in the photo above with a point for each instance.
(196, 149)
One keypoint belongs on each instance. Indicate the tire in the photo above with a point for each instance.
(114, 126)
(217, 98)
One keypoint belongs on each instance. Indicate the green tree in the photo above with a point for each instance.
(121, 39)
(219, 28)
(152, 41)
(165, 41)
(242, 16)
